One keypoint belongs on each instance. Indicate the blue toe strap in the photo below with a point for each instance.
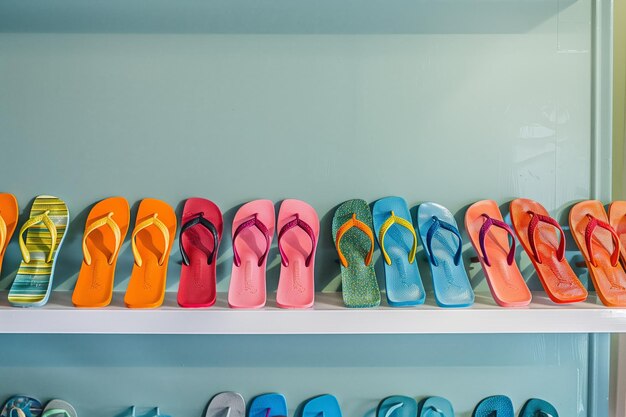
(434, 227)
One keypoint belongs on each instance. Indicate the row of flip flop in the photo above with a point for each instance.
(355, 227)
(23, 406)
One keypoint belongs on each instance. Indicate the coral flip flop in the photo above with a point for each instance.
(538, 408)
(151, 242)
(398, 243)
(21, 406)
(226, 404)
(268, 405)
(59, 408)
(441, 239)
(354, 240)
(617, 220)
(298, 232)
(599, 245)
(324, 405)
(9, 214)
(200, 236)
(105, 230)
(543, 240)
(397, 406)
(45, 232)
(489, 235)
(436, 407)
(497, 405)
(253, 230)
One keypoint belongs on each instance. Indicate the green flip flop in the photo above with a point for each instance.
(354, 239)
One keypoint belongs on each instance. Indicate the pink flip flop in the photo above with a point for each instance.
(299, 229)
(253, 230)
(199, 241)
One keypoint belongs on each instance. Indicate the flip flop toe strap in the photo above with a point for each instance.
(33, 221)
(431, 410)
(357, 224)
(3, 233)
(254, 221)
(296, 222)
(391, 220)
(393, 408)
(199, 219)
(532, 229)
(490, 221)
(151, 221)
(593, 224)
(56, 412)
(433, 229)
(104, 221)
(17, 412)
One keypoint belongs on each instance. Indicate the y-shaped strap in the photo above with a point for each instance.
(254, 221)
(105, 221)
(391, 220)
(589, 231)
(18, 412)
(490, 221)
(440, 224)
(431, 410)
(150, 221)
(532, 228)
(47, 221)
(199, 219)
(358, 224)
(297, 222)
(393, 408)
(56, 412)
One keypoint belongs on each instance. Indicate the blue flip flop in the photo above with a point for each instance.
(29, 406)
(538, 408)
(495, 406)
(398, 244)
(436, 407)
(441, 239)
(268, 405)
(322, 406)
(397, 406)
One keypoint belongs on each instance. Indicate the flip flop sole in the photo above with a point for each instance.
(538, 408)
(499, 405)
(397, 406)
(30, 406)
(268, 405)
(436, 407)
(9, 212)
(224, 404)
(324, 405)
(62, 406)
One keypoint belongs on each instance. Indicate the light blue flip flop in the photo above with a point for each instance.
(398, 244)
(436, 407)
(538, 408)
(226, 404)
(441, 239)
(322, 406)
(27, 406)
(397, 406)
(495, 406)
(268, 405)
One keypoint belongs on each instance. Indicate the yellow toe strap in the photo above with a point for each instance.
(151, 221)
(33, 221)
(105, 221)
(391, 220)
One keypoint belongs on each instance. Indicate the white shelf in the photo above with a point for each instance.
(327, 317)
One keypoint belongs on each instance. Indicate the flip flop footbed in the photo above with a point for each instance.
(358, 278)
(556, 275)
(256, 223)
(436, 407)
(94, 286)
(268, 405)
(300, 228)
(497, 405)
(397, 406)
(226, 404)
(200, 236)
(33, 282)
(64, 409)
(324, 405)
(450, 281)
(9, 214)
(538, 408)
(30, 406)
(617, 219)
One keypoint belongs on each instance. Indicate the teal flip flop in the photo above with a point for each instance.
(495, 406)
(441, 239)
(322, 406)
(268, 405)
(20, 405)
(354, 240)
(397, 406)
(436, 407)
(398, 242)
(538, 408)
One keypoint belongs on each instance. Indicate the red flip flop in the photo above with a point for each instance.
(199, 241)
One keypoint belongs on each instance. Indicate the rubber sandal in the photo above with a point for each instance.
(543, 240)
(490, 238)
(226, 404)
(199, 241)
(9, 214)
(599, 245)
(59, 408)
(268, 405)
(398, 243)
(21, 406)
(324, 405)
(436, 407)
(354, 240)
(495, 406)
(253, 230)
(617, 220)
(151, 243)
(298, 232)
(538, 408)
(45, 232)
(397, 406)
(441, 239)
(105, 230)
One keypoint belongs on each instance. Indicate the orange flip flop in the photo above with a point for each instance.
(9, 214)
(490, 237)
(617, 220)
(600, 246)
(543, 240)
(153, 236)
(105, 230)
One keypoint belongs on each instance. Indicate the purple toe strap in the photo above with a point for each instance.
(262, 228)
(297, 222)
(490, 221)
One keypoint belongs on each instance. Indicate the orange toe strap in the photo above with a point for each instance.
(358, 224)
